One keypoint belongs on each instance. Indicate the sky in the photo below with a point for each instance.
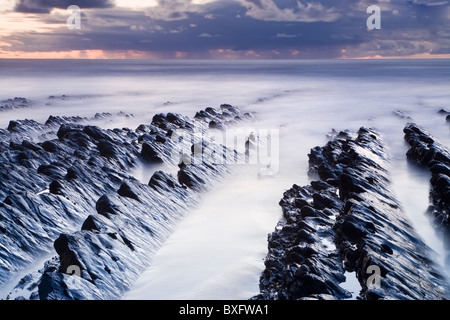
(224, 29)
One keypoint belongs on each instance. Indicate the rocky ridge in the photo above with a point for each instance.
(347, 220)
(75, 193)
(427, 152)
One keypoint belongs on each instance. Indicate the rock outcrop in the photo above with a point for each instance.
(426, 151)
(15, 103)
(76, 193)
(347, 220)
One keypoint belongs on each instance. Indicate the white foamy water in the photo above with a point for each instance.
(217, 251)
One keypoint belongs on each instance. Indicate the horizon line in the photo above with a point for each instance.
(446, 57)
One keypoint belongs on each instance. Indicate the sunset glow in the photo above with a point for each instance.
(219, 29)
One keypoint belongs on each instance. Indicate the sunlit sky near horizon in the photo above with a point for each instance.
(224, 29)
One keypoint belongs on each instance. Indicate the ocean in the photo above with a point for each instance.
(217, 251)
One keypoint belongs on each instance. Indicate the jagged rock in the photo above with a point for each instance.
(96, 133)
(163, 182)
(14, 103)
(150, 154)
(30, 145)
(67, 257)
(426, 151)
(126, 190)
(56, 187)
(107, 148)
(352, 208)
(188, 178)
(52, 170)
(90, 224)
(65, 128)
(105, 205)
(74, 192)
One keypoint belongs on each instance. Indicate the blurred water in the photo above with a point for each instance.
(217, 252)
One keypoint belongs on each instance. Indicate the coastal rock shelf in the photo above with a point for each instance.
(347, 220)
(429, 153)
(75, 193)
(15, 103)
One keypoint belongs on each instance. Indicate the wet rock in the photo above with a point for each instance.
(65, 128)
(90, 224)
(361, 220)
(163, 182)
(66, 256)
(76, 194)
(14, 103)
(52, 170)
(187, 177)
(56, 187)
(105, 206)
(96, 133)
(108, 148)
(426, 151)
(126, 190)
(30, 145)
(150, 154)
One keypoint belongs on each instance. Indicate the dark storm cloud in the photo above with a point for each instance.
(280, 28)
(45, 6)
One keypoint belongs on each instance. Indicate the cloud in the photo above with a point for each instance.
(236, 28)
(46, 6)
(268, 10)
(284, 35)
(170, 10)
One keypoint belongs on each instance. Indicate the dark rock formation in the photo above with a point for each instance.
(446, 114)
(347, 221)
(75, 193)
(15, 103)
(429, 153)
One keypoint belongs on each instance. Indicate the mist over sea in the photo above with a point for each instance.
(217, 251)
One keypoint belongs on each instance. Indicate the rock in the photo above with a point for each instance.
(65, 128)
(15, 103)
(426, 151)
(67, 257)
(188, 178)
(30, 145)
(150, 154)
(56, 187)
(361, 219)
(105, 205)
(90, 224)
(50, 146)
(96, 133)
(215, 125)
(126, 190)
(78, 140)
(163, 182)
(52, 170)
(76, 193)
(107, 148)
